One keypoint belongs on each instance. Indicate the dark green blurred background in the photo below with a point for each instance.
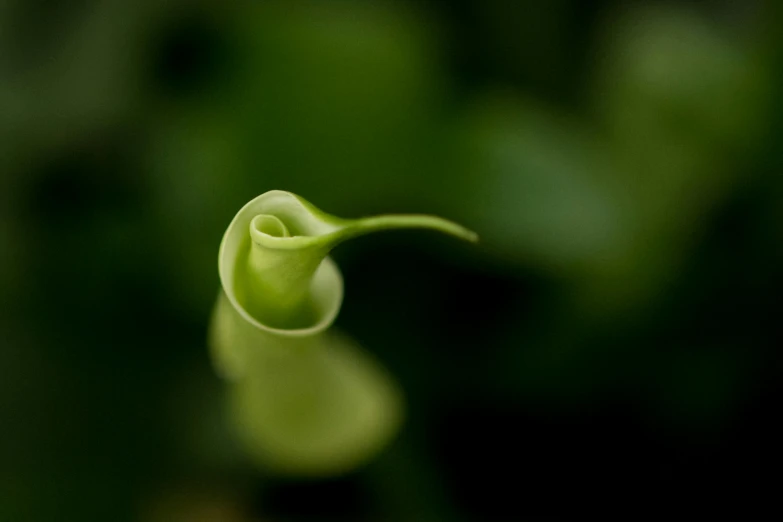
(610, 348)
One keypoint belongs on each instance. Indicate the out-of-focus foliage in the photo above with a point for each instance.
(617, 331)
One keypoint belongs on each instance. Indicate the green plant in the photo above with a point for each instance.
(304, 398)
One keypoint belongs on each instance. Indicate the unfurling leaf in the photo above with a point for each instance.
(304, 399)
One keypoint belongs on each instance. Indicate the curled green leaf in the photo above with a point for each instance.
(304, 399)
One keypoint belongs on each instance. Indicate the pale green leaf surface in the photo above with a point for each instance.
(303, 399)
